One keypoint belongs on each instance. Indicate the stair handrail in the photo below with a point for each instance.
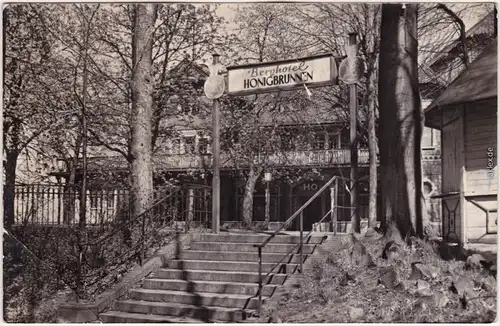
(175, 190)
(143, 241)
(297, 213)
(301, 239)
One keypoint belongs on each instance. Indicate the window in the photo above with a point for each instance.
(93, 201)
(333, 141)
(318, 141)
(287, 142)
(174, 146)
(427, 138)
(188, 109)
(110, 200)
(203, 145)
(189, 145)
(195, 110)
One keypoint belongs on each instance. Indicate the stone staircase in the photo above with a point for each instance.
(216, 279)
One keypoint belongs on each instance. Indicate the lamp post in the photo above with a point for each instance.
(353, 109)
(216, 154)
(267, 178)
(61, 165)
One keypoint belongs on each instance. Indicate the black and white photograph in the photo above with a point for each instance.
(249, 162)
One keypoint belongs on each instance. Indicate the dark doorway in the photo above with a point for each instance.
(312, 213)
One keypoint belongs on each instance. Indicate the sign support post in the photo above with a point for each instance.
(216, 157)
(353, 108)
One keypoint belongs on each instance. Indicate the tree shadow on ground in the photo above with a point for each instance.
(203, 313)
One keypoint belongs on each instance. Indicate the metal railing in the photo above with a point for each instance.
(180, 161)
(487, 211)
(450, 213)
(332, 213)
(57, 204)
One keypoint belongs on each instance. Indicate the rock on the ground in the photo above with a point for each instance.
(274, 318)
(424, 289)
(422, 271)
(493, 269)
(372, 232)
(356, 313)
(402, 286)
(475, 262)
(489, 284)
(346, 278)
(389, 277)
(412, 242)
(359, 255)
(464, 287)
(392, 250)
(440, 299)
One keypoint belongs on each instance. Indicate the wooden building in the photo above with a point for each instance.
(466, 114)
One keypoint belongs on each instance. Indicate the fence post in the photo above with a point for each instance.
(190, 208)
(260, 280)
(301, 218)
(332, 207)
(333, 203)
(143, 238)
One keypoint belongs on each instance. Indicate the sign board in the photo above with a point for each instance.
(351, 69)
(214, 87)
(276, 76)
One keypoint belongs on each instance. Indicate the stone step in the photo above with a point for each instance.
(250, 289)
(258, 238)
(197, 299)
(249, 247)
(226, 256)
(113, 316)
(230, 266)
(221, 276)
(204, 313)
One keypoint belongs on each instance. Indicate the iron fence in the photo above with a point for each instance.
(88, 258)
(54, 204)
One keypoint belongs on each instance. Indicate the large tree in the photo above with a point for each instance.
(142, 106)
(401, 120)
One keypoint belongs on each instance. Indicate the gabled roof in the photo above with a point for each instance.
(477, 82)
(190, 69)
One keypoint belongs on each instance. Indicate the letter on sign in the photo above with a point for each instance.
(310, 186)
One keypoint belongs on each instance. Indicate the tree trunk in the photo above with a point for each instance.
(9, 191)
(400, 120)
(462, 31)
(372, 145)
(142, 107)
(70, 191)
(71, 187)
(253, 175)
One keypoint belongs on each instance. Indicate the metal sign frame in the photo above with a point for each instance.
(332, 81)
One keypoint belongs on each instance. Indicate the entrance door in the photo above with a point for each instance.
(312, 213)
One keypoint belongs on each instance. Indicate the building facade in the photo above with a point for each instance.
(299, 167)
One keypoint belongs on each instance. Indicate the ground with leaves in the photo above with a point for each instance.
(411, 284)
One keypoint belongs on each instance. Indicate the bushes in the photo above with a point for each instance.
(40, 262)
(27, 283)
